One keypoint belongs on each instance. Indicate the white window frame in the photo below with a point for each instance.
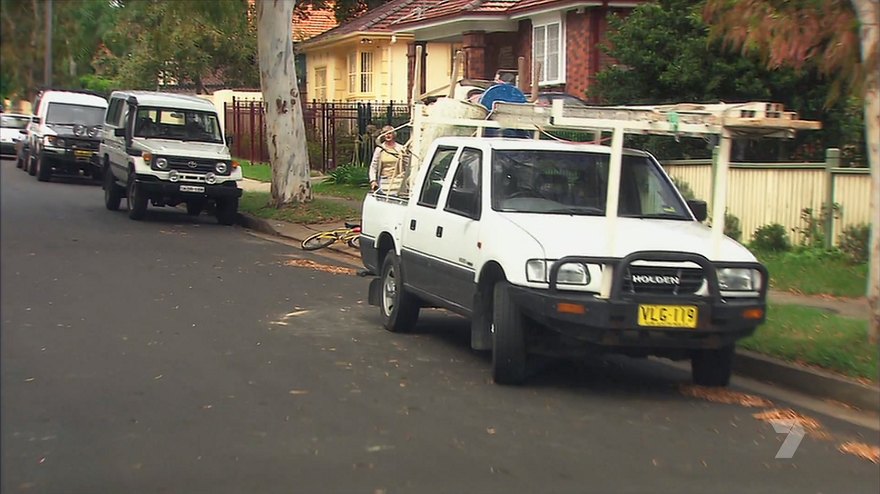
(321, 89)
(361, 81)
(542, 23)
(352, 72)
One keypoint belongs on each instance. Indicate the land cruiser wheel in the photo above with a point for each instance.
(194, 208)
(137, 201)
(712, 367)
(227, 210)
(44, 169)
(399, 309)
(112, 192)
(30, 165)
(19, 163)
(508, 338)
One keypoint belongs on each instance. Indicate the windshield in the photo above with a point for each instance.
(184, 125)
(67, 114)
(10, 122)
(571, 182)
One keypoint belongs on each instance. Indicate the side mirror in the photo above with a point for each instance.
(119, 132)
(701, 212)
(230, 140)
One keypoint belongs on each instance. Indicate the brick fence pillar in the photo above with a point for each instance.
(474, 46)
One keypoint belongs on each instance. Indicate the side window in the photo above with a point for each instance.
(464, 196)
(430, 192)
(114, 111)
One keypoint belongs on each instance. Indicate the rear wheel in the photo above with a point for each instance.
(399, 309)
(318, 240)
(508, 338)
(227, 210)
(712, 367)
(137, 201)
(112, 192)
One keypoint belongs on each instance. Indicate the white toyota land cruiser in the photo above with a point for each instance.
(167, 149)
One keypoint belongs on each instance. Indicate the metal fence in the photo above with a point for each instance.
(338, 133)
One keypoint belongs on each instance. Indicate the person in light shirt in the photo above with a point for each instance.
(383, 166)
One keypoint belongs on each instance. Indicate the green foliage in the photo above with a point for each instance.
(256, 171)
(98, 84)
(664, 54)
(771, 238)
(350, 174)
(316, 211)
(815, 272)
(812, 230)
(731, 226)
(684, 188)
(813, 336)
(854, 242)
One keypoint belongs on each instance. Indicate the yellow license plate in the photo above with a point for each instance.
(82, 154)
(668, 316)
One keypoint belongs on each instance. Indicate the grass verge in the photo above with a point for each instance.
(256, 171)
(815, 337)
(317, 211)
(815, 273)
(346, 191)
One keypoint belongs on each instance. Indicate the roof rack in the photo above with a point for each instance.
(71, 90)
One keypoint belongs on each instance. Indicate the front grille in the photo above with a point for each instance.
(78, 143)
(196, 165)
(656, 280)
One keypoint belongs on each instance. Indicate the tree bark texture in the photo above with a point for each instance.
(285, 130)
(868, 12)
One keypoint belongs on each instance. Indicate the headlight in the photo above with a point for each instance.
(537, 271)
(210, 178)
(162, 163)
(173, 175)
(739, 279)
(221, 167)
(53, 141)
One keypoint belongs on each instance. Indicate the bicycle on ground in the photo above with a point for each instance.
(350, 235)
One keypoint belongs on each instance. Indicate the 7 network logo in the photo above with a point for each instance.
(795, 434)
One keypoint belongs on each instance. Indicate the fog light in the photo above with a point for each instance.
(173, 176)
(210, 178)
(566, 308)
(753, 314)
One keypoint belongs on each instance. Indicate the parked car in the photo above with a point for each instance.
(64, 134)
(167, 149)
(11, 125)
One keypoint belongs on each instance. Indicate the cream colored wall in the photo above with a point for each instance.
(764, 194)
(226, 96)
(439, 62)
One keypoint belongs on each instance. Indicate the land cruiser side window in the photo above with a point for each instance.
(114, 111)
(464, 195)
(430, 192)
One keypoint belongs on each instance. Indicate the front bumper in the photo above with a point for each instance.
(155, 188)
(65, 156)
(7, 148)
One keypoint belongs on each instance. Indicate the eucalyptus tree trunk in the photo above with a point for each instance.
(868, 12)
(285, 131)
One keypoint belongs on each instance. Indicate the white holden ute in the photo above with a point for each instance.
(167, 149)
(513, 234)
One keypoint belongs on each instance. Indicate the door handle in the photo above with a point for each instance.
(412, 225)
(439, 231)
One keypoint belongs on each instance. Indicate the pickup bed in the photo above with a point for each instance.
(514, 235)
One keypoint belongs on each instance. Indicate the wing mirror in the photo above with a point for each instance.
(230, 140)
(701, 212)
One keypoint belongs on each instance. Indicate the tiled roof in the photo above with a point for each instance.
(450, 8)
(311, 23)
(381, 19)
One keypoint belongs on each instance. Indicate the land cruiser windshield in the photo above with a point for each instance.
(67, 114)
(569, 182)
(183, 125)
(14, 122)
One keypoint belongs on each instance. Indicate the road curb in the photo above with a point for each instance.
(265, 226)
(807, 380)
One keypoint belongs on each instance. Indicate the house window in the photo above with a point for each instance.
(548, 50)
(352, 72)
(321, 84)
(366, 72)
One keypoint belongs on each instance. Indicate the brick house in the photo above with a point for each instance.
(365, 58)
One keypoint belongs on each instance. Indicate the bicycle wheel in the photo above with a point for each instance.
(319, 240)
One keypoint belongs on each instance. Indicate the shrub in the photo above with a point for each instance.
(854, 242)
(813, 230)
(731, 226)
(684, 188)
(771, 238)
(351, 174)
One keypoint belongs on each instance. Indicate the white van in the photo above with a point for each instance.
(167, 149)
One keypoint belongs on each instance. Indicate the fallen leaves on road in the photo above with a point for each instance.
(305, 263)
(862, 450)
(723, 395)
(787, 415)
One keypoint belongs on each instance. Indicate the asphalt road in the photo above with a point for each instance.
(174, 355)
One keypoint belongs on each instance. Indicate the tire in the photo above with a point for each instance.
(509, 353)
(712, 367)
(227, 211)
(44, 169)
(194, 208)
(318, 241)
(30, 165)
(19, 163)
(112, 192)
(137, 201)
(399, 309)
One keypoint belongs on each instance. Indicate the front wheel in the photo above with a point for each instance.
(399, 309)
(194, 208)
(44, 169)
(508, 338)
(137, 201)
(712, 367)
(112, 192)
(30, 165)
(227, 211)
(318, 241)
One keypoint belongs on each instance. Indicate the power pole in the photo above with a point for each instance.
(47, 68)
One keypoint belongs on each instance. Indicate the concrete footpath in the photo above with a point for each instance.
(809, 380)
